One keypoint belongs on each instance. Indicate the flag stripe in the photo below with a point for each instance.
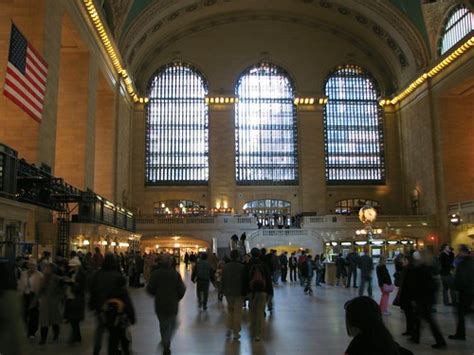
(33, 90)
(38, 56)
(21, 91)
(38, 82)
(21, 104)
(35, 61)
(38, 68)
(38, 75)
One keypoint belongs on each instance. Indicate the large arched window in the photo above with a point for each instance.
(353, 128)
(177, 127)
(266, 139)
(459, 23)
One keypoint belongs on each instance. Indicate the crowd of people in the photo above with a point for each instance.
(55, 293)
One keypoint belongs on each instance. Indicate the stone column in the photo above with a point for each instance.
(222, 155)
(51, 52)
(311, 159)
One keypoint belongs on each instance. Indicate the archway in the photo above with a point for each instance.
(176, 245)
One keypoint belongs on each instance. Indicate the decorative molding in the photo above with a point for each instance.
(432, 72)
(149, 18)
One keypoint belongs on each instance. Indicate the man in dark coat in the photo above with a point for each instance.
(168, 289)
(424, 291)
(464, 284)
(260, 288)
(352, 262)
(233, 287)
(446, 258)
(366, 266)
(202, 275)
(284, 265)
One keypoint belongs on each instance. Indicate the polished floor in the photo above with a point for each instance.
(299, 325)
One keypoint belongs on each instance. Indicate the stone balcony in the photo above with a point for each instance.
(218, 229)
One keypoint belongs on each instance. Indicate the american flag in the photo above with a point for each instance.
(25, 79)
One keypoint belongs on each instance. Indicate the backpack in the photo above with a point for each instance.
(203, 271)
(112, 312)
(257, 279)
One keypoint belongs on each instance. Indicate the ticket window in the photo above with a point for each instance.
(360, 246)
(376, 252)
(346, 248)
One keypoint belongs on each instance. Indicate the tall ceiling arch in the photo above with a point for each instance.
(375, 26)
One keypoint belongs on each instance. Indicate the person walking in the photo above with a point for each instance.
(425, 288)
(406, 292)
(275, 266)
(259, 285)
(50, 299)
(366, 266)
(464, 284)
(233, 287)
(318, 267)
(446, 259)
(168, 289)
(218, 279)
(11, 327)
(202, 276)
(352, 261)
(266, 259)
(283, 265)
(111, 303)
(385, 284)
(293, 265)
(74, 307)
(301, 260)
(341, 272)
(308, 290)
(186, 260)
(29, 286)
(97, 259)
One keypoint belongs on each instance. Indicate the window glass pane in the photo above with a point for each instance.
(266, 127)
(459, 23)
(353, 128)
(177, 127)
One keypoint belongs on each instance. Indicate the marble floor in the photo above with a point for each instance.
(300, 324)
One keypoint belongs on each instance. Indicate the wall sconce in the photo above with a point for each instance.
(221, 100)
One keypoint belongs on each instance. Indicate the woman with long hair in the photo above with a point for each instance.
(364, 323)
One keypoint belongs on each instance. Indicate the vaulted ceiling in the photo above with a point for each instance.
(391, 29)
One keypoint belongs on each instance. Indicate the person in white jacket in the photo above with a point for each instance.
(29, 285)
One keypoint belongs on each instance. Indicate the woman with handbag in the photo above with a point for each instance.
(385, 284)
